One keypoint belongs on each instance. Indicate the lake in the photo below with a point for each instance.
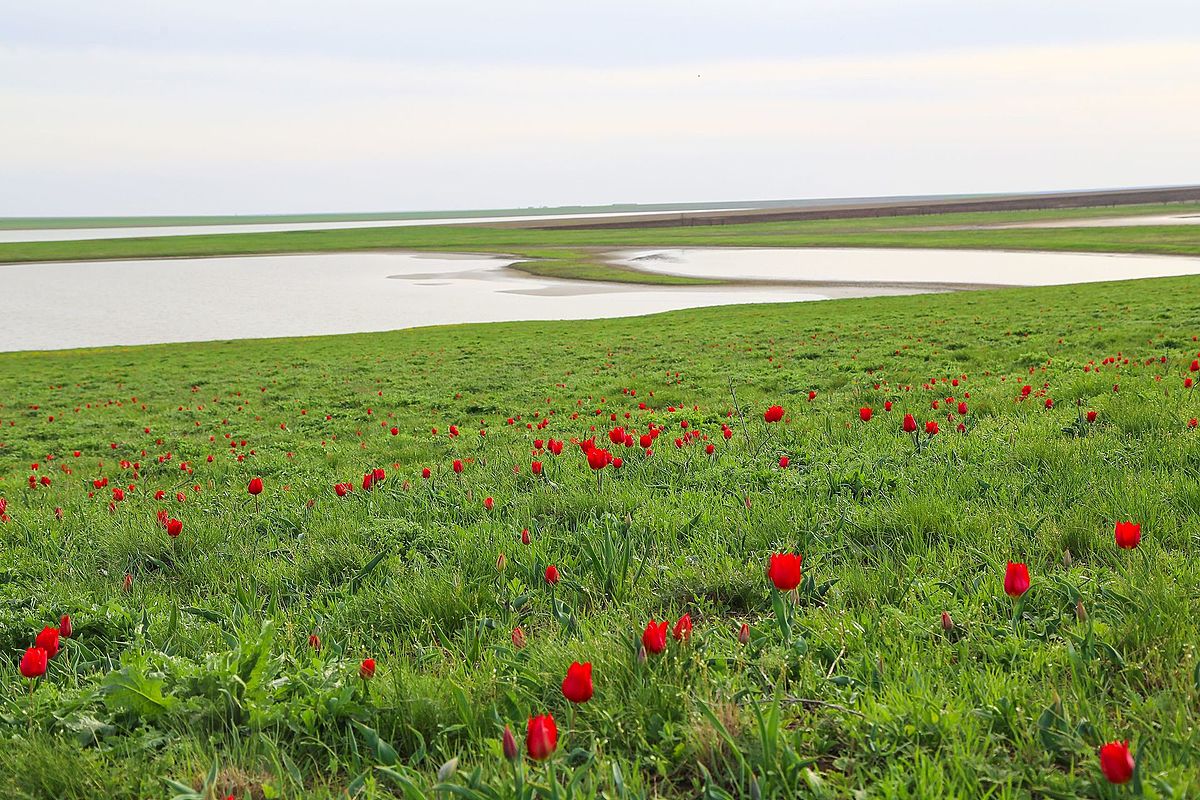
(92, 304)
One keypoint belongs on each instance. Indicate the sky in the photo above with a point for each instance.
(221, 107)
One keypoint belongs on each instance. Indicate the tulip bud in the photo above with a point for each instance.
(314, 642)
(128, 583)
(518, 637)
(744, 634)
(501, 563)
(525, 536)
(1080, 611)
(641, 654)
(947, 622)
(64, 627)
(511, 752)
(1066, 559)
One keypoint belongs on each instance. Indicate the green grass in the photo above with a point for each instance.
(575, 254)
(205, 664)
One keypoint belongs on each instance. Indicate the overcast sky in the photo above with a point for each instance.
(132, 107)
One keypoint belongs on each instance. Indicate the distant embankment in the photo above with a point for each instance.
(1013, 202)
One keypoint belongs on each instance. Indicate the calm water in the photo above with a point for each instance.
(88, 304)
(70, 234)
(85, 304)
(979, 267)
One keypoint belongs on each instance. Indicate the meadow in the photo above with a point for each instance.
(450, 517)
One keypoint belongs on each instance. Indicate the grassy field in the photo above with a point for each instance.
(577, 254)
(191, 670)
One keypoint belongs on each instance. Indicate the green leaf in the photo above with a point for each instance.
(130, 690)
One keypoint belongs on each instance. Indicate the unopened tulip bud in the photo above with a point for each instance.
(128, 583)
(1080, 611)
(511, 750)
(641, 655)
(525, 536)
(947, 622)
(501, 563)
(518, 637)
(744, 634)
(1066, 559)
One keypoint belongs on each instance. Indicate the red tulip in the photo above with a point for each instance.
(1049, 402)
(525, 536)
(783, 462)
(577, 686)
(1016, 580)
(909, 424)
(535, 467)
(518, 637)
(425, 473)
(962, 409)
(366, 670)
(1116, 762)
(865, 413)
(598, 459)
(488, 503)
(48, 641)
(174, 527)
(1091, 416)
(65, 628)
(255, 486)
(551, 575)
(314, 642)
(931, 428)
(784, 571)
(774, 413)
(34, 662)
(744, 633)
(1128, 535)
(654, 638)
(683, 628)
(541, 737)
(457, 466)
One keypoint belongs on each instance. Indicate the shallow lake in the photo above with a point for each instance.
(86, 304)
(92, 304)
(905, 267)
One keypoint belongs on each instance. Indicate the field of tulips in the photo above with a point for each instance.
(931, 546)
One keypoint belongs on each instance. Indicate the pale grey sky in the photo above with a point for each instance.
(142, 107)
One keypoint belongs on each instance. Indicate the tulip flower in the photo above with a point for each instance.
(774, 414)
(683, 628)
(34, 662)
(509, 745)
(551, 575)
(654, 638)
(784, 571)
(48, 641)
(1128, 535)
(518, 637)
(577, 686)
(1016, 580)
(910, 424)
(174, 527)
(255, 486)
(541, 737)
(1116, 762)
(65, 628)
(744, 633)
(366, 670)
(865, 413)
